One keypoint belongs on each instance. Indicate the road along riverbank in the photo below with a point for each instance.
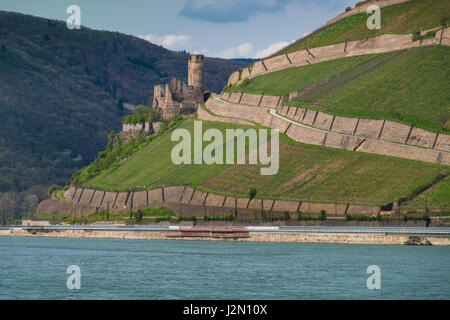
(342, 235)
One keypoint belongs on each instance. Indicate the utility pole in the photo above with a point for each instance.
(2, 207)
(335, 208)
(309, 206)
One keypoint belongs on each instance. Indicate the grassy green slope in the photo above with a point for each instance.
(410, 86)
(408, 17)
(294, 79)
(438, 195)
(323, 174)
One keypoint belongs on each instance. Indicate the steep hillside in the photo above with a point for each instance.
(62, 91)
(410, 86)
(408, 17)
(320, 173)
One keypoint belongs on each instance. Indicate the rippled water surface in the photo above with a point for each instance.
(35, 268)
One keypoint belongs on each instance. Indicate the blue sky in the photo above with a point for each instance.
(217, 28)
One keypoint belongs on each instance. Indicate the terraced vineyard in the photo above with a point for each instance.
(408, 17)
(323, 174)
(408, 86)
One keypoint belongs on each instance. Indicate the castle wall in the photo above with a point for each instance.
(177, 97)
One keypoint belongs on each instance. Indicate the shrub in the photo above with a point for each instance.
(227, 88)
(348, 9)
(417, 37)
(323, 215)
(252, 193)
(430, 34)
(245, 83)
(286, 216)
(218, 218)
(52, 189)
(263, 216)
(447, 125)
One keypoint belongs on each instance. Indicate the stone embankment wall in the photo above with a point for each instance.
(380, 44)
(344, 238)
(364, 135)
(188, 202)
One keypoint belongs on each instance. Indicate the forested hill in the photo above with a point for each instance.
(60, 93)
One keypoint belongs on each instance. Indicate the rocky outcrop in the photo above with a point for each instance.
(417, 241)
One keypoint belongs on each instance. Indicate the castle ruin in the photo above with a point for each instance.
(178, 97)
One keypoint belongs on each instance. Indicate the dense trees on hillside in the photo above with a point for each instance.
(62, 91)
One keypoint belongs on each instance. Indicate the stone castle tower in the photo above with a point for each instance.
(178, 97)
(196, 71)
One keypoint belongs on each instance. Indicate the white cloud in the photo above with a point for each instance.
(244, 50)
(247, 50)
(277, 46)
(170, 41)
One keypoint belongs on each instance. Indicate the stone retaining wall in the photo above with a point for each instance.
(205, 115)
(379, 44)
(365, 135)
(187, 202)
(365, 128)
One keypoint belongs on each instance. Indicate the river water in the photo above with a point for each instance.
(35, 268)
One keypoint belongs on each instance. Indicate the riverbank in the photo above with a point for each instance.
(297, 237)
